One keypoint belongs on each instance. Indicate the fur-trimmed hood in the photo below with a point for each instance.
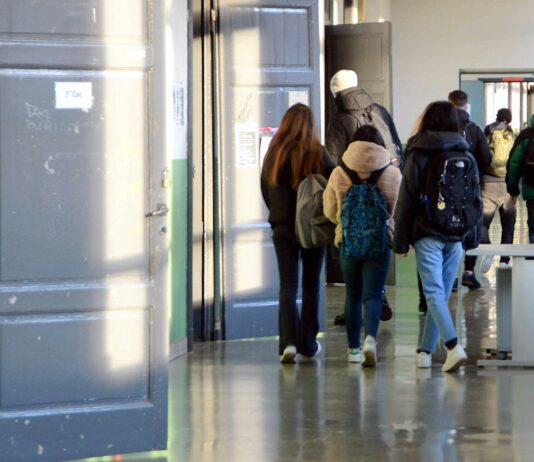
(362, 157)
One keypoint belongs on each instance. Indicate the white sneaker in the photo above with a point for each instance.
(354, 355)
(455, 358)
(288, 356)
(487, 261)
(423, 360)
(369, 351)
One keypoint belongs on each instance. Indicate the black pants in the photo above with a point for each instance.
(297, 329)
(507, 218)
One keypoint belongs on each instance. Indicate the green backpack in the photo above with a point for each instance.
(501, 142)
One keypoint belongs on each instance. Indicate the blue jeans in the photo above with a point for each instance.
(437, 264)
(364, 284)
(298, 329)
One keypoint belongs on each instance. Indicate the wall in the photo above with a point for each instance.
(377, 11)
(177, 81)
(432, 40)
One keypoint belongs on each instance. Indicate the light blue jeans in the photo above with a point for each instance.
(437, 264)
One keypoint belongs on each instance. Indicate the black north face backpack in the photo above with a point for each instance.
(450, 196)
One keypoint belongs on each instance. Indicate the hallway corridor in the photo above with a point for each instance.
(234, 402)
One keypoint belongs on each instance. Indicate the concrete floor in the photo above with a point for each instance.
(233, 401)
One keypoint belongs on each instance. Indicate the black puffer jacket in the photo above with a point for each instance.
(343, 123)
(477, 141)
(410, 223)
(282, 199)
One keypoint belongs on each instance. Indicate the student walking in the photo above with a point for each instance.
(438, 222)
(293, 154)
(360, 198)
(495, 198)
(479, 148)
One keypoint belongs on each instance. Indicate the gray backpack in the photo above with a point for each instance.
(367, 117)
(312, 228)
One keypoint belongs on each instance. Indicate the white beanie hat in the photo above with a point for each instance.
(342, 80)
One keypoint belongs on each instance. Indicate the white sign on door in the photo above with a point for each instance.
(74, 95)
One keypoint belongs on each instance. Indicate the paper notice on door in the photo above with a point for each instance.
(246, 142)
(74, 95)
(298, 97)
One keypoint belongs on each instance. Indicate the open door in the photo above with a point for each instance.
(269, 60)
(83, 244)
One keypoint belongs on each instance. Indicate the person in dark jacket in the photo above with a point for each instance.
(479, 147)
(354, 107)
(293, 154)
(437, 255)
(523, 145)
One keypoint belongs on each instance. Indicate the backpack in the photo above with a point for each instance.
(501, 142)
(369, 117)
(312, 228)
(364, 217)
(451, 193)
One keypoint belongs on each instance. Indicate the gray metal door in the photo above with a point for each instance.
(269, 60)
(366, 49)
(83, 335)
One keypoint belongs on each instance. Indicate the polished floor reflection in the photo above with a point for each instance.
(233, 401)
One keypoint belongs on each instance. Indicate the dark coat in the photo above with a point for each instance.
(282, 199)
(410, 222)
(343, 123)
(514, 167)
(477, 141)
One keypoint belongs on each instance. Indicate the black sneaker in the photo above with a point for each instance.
(386, 312)
(339, 320)
(469, 280)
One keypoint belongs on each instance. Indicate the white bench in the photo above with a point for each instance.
(515, 300)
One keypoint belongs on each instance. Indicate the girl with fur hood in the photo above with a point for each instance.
(364, 279)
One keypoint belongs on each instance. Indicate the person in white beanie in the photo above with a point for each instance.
(354, 108)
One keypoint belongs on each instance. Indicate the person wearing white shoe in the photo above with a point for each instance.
(360, 198)
(294, 153)
(354, 355)
(289, 354)
(369, 351)
(455, 358)
(426, 218)
(423, 360)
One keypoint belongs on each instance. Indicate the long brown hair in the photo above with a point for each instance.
(295, 141)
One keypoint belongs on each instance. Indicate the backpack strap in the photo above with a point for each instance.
(375, 174)
(355, 178)
(364, 113)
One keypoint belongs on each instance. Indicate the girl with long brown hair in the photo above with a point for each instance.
(294, 153)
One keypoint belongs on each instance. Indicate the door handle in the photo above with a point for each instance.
(161, 211)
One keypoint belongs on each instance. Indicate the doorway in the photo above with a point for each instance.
(489, 91)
